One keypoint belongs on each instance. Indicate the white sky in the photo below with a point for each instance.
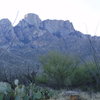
(84, 14)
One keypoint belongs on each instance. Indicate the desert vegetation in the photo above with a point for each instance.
(59, 72)
(22, 92)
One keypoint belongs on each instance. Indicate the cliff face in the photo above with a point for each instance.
(32, 37)
(6, 32)
(31, 27)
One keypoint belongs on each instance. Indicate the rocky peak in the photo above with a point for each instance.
(6, 31)
(33, 19)
(57, 26)
(5, 22)
(35, 37)
(5, 25)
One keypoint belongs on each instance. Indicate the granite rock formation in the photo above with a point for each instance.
(32, 37)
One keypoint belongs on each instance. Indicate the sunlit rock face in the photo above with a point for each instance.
(33, 19)
(27, 29)
(31, 27)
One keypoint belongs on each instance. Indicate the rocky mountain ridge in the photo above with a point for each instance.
(32, 27)
(32, 37)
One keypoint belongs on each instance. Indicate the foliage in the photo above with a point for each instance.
(5, 88)
(41, 79)
(58, 67)
(85, 76)
(61, 70)
(80, 77)
(30, 77)
(94, 71)
(39, 92)
(22, 92)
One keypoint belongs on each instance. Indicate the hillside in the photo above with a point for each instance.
(21, 45)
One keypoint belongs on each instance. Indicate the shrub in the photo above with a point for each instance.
(80, 77)
(41, 79)
(94, 70)
(85, 76)
(57, 67)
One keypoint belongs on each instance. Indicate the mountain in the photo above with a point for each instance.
(21, 45)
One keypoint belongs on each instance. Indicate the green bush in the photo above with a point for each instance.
(80, 77)
(57, 67)
(41, 79)
(94, 70)
(85, 76)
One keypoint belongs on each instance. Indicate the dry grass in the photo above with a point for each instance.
(82, 96)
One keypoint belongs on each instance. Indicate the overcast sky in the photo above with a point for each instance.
(84, 14)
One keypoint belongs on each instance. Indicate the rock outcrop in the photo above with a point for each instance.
(32, 37)
(57, 26)
(6, 32)
(33, 19)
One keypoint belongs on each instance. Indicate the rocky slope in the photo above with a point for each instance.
(32, 37)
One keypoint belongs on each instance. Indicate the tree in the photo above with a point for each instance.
(58, 67)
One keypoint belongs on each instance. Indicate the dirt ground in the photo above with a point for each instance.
(73, 95)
